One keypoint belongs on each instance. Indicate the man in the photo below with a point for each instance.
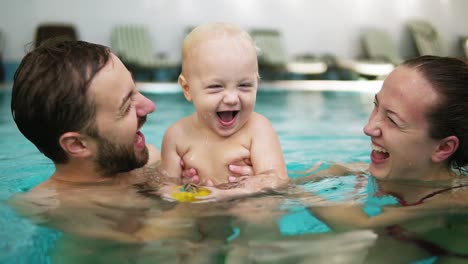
(78, 104)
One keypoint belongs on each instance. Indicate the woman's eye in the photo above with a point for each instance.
(376, 107)
(392, 121)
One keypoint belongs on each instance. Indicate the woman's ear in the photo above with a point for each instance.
(74, 145)
(185, 87)
(445, 149)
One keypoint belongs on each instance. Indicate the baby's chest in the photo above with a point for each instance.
(211, 160)
(221, 153)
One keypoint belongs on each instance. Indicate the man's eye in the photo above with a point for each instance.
(127, 110)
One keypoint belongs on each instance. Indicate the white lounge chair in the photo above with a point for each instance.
(133, 45)
(273, 59)
(426, 38)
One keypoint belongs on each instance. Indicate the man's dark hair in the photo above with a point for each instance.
(49, 96)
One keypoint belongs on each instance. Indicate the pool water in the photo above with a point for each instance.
(313, 126)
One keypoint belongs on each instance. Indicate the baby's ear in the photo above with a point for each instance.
(185, 87)
(445, 149)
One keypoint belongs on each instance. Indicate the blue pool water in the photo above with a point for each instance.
(313, 126)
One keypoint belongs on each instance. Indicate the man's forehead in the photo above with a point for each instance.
(112, 83)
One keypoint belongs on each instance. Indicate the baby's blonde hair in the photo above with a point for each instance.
(210, 31)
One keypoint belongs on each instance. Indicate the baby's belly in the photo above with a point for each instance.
(214, 166)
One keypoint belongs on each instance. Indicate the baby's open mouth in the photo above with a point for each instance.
(227, 117)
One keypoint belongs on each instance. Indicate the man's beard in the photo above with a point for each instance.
(113, 158)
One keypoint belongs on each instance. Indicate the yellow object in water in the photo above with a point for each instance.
(189, 193)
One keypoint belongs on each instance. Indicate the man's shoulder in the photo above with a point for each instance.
(36, 201)
(154, 154)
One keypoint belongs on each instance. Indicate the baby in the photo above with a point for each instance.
(220, 76)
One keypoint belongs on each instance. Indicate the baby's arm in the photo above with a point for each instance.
(170, 159)
(266, 156)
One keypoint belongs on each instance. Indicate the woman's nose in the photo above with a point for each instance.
(144, 105)
(372, 128)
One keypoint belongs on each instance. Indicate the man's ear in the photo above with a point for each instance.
(445, 148)
(185, 87)
(74, 144)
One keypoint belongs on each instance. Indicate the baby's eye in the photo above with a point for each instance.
(215, 86)
(245, 86)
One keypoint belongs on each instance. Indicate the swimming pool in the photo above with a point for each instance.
(314, 125)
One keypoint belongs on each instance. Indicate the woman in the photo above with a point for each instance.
(418, 130)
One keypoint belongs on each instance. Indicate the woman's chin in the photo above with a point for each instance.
(379, 173)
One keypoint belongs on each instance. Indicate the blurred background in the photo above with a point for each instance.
(302, 34)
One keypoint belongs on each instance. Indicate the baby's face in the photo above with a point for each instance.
(223, 80)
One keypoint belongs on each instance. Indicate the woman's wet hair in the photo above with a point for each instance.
(49, 95)
(449, 117)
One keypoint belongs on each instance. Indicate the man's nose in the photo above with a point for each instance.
(144, 105)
